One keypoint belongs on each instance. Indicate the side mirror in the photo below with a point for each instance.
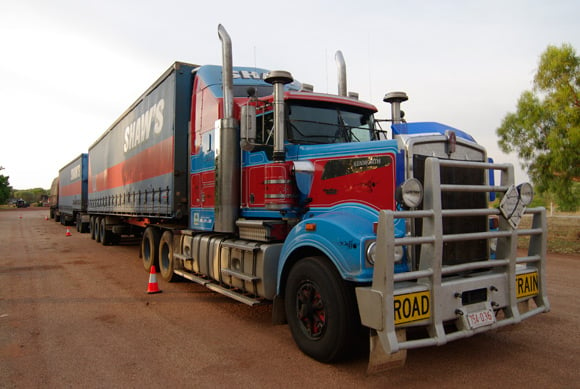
(248, 127)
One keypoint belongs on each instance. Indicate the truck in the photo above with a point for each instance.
(251, 184)
(53, 200)
(72, 194)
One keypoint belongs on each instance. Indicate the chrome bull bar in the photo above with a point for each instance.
(445, 285)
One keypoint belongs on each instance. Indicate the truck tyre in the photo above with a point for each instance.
(92, 227)
(98, 229)
(106, 235)
(166, 264)
(321, 310)
(83, 226)
(150, 248)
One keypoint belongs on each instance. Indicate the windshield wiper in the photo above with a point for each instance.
(345, 129)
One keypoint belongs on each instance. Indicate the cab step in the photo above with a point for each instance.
(231, 293)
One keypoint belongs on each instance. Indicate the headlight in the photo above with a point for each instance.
(371, 252)
(399, 252)
(411, 193)
(526, 193)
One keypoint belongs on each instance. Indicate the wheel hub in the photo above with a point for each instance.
(310, 310)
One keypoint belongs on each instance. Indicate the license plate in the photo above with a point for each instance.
(482, 318)
(527, 284)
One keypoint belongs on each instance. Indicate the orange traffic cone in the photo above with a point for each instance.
(68, 232)
(153, 287)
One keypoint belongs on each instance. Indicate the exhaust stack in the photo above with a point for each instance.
(395, 99)
(227, 168)
(341, 70)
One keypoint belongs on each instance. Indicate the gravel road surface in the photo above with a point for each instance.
(74, 313)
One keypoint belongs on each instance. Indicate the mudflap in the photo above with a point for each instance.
(381, 361)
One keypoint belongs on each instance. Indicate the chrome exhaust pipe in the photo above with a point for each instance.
(227, 73)
(341, 70)
(227, 149)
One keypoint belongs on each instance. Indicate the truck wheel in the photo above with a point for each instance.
(92, 227)
(166, 263)
(106, 235)
(98, 229)
(149, 248)
(321, 310)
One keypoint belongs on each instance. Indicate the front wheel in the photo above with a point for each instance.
(321, 310)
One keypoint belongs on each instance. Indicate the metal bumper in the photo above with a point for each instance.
(442, 288)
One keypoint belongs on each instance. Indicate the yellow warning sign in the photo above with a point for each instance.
(412, 307)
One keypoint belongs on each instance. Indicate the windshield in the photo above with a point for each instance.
(313, 123)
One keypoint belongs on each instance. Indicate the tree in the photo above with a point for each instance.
(545, 129)
(31, 195)
(5, 188)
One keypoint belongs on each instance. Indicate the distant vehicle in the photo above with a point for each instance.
(21, 204)
(72, 194)
(53, 200)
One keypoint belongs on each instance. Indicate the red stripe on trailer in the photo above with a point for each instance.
(155, 161)
(71, 189)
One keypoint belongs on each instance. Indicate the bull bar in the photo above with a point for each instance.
(446, 284)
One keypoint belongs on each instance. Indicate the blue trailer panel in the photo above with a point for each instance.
(73, 179)
(139, 166)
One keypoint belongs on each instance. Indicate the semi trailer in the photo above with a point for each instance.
(248, 182)
(72, 193)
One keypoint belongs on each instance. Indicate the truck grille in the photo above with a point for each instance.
(462, 251)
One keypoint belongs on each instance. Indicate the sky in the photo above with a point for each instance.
(70, 68)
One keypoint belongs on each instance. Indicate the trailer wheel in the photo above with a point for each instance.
(106, 235)
(92, 227)
(97, 229)
(83, 227)
(321, 310)
(166, 263)
(149, 248)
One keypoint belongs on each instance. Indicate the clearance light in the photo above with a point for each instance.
(310, 227)
(411, 193)
(526, 193)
